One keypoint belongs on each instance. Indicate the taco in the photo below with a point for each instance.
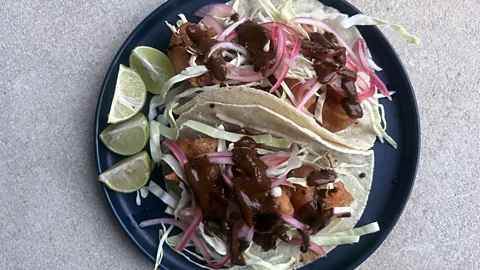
(248, 196)
(294, 59)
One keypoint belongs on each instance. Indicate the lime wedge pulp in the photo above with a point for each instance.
(154, 67)
(127, 138)
(130, 96)
(129, 174)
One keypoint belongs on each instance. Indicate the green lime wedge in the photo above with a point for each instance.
(129, 174)
(127, 138)
(154, 67)
(130, 95)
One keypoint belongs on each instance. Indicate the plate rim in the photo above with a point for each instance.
(416, 148)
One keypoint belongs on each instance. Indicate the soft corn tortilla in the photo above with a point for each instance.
(258, 119)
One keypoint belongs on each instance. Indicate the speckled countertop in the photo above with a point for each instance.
(54, 56)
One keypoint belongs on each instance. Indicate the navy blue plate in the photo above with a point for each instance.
(394, 169)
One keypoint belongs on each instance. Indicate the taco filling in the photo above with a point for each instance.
(252, 190)
(297, 58)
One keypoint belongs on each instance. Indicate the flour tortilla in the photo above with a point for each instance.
(258, 119)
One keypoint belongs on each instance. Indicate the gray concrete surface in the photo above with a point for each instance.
(54, 55)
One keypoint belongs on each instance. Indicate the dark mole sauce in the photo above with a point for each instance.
(321, 177)
(254, 37)
(251, 190)
(209, 189)
(330, 59)
(235, 17)
(216, 63)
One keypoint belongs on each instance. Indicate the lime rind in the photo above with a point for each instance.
(128, 175)
(154, 67)
(130, 96)
(127, 138)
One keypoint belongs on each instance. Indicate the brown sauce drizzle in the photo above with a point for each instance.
(254, 37)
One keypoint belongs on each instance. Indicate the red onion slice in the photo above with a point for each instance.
(307, 85)
(227, 180)
(293, 222)
(242, 70)
(360, 48)
(213, 23)
(215, 9)
(230, 29)
(227, 46)
(222, 262)
(253, 78)
(221, 160)
(191, 229)
(280, 78)
(278, 181)
(184, 226)
(177, 152)
(309, 94)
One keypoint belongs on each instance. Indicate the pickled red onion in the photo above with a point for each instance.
(215, 9)
(213, 23)
(230, 29)
(227, 46)
(177, 152)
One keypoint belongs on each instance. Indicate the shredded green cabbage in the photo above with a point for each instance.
(289, 93)
(360, 231)
(362, 19)
(162, 235)
(182, 19)
(214, 241)
(373, 107)
(187, 73)
(319, 107)
(346, 237)
(154, 141)
(172, 27)
(162, 195)
(258, 263)
(266, 139)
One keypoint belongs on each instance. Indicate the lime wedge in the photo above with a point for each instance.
(127, 138)
(129, 98)
(129, 174)
(154, 67)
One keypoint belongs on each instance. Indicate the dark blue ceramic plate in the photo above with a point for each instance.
(394, 169)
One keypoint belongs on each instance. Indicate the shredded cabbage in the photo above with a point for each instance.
(319, 107)
(360, 231)
(293, 162)
(258, 263)
(299, 181)
(346, 237)
(172, 27)
(289, 93)
(362, 19)
(327, 240)
(182, 19)
(214, 241)
(162, 195)
(184, 199)
(187, 73)
(266, 139)
(154, 141)
(162, 235)
(172, 242)
(373, 107)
